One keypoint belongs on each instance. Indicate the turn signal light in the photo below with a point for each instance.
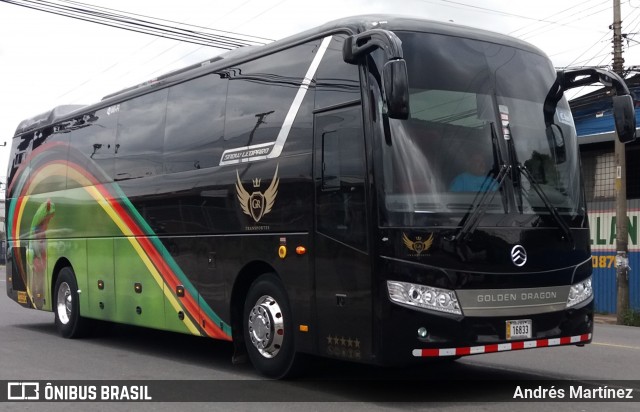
(301, 250)
(282, 252)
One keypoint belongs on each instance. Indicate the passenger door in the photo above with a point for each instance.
(343, 270)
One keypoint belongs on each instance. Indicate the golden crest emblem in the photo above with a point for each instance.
(417, 245)
(257, 204)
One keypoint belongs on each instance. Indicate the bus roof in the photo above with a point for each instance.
(351, 25)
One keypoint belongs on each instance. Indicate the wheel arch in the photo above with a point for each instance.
(60, 264)
(247, 275)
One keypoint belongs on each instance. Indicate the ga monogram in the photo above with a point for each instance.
(418, 245)
(257, 204)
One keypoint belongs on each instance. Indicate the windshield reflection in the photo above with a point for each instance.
(445, 154)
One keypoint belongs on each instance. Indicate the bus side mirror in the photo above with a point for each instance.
(624, 116)
(395, 78)
(623, 109)
(396, 89)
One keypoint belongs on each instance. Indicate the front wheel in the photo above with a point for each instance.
(268, 328)
(66, 306)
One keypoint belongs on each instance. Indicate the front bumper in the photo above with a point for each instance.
(452, 335)
(502, 347)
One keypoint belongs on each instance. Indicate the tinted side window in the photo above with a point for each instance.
(341, 167)
(93, 143)
(195, 123)
(20, 149)
(336, 81)
(45, 141)
(140, 136)
(261, 92)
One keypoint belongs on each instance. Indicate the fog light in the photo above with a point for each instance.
(422, 333)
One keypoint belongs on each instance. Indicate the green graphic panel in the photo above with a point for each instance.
(172, 317)
(79, 215)
(145, 308)
(51, 227)
(79, 226)
(100, 279)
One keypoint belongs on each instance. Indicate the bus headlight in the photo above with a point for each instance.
(425, 297)
(580, 292)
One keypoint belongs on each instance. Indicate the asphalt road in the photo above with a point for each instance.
(30, 349)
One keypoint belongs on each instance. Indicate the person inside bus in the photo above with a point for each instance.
(477, 177)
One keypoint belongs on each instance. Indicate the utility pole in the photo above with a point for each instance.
(622, 228)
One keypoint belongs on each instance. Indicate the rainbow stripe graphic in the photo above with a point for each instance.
(41, 166)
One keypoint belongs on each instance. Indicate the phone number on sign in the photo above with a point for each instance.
(603, 262)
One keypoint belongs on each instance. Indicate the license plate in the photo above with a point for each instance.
(519, 329)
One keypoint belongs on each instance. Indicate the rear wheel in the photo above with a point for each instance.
(66, 306)
(268, 328)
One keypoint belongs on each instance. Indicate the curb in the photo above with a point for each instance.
(605, 319)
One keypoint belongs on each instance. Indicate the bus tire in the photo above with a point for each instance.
(268, 328)
(66, 306)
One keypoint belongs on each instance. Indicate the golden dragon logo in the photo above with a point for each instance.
(257, 204)
(418, 245)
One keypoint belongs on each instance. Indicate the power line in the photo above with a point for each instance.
(256, 38)
(599, 54)
(245, 22)
(130, 22)
(571, 8)
(632, 30)
(546, 20)
(112, 66)
(582, 63)
(588, 49)
(487, 10)
(579, 91)
(241, 24)
(493, 11)
(604, 57)
(573, 18)
(135, 27)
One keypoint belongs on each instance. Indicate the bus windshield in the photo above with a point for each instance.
(472, 115)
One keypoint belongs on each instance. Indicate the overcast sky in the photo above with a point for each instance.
(48, 60)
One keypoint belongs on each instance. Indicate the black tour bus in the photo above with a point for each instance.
(379, 189)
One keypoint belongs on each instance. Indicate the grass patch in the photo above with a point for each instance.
(631, 318)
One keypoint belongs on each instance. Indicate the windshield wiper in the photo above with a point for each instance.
(554, 212)
(480, 202)
(515, 175)
(479, 206)
(521, 170)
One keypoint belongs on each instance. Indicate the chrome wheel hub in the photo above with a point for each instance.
(63, 303)
(266, 326)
